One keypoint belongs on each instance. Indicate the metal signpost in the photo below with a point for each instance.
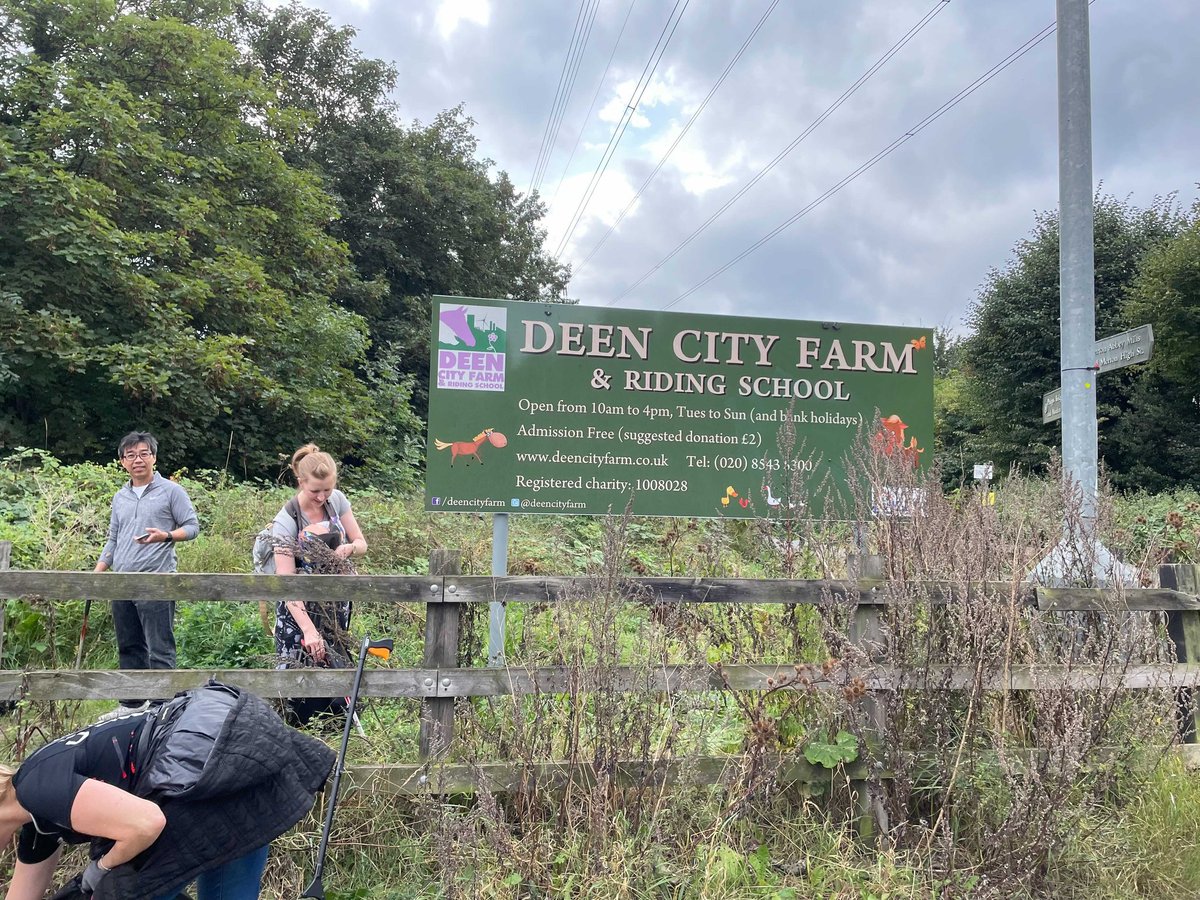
(1125, 349)
(1079, 553)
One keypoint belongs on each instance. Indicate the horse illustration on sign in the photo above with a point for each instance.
(471, 448)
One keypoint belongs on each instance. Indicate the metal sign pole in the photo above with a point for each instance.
(496, 611)
(1077, 303)
(1079, 554)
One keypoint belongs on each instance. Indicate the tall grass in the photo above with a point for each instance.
(978, 792)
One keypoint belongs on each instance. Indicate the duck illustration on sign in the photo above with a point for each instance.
(732, 496)
(471, 448)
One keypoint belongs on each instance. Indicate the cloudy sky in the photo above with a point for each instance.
(907, 242)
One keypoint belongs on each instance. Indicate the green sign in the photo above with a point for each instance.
(548, 408)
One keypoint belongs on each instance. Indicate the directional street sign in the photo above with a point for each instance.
(1125, 349)
(1116, 352)
(1052, 405)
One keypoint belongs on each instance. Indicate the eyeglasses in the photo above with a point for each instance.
(140, 454)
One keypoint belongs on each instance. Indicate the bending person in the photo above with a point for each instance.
(118, 785)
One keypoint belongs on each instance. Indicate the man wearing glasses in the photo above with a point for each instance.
(149, 515)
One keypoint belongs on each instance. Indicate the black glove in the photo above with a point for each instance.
(92, 876)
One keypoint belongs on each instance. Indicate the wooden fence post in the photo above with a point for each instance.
(5, 558)
(441, 651)
(1184, 629)
(867, 634)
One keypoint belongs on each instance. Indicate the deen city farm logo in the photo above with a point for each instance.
(471, 347)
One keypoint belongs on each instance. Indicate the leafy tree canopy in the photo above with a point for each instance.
(418, 207)
(1012, 357)
(161, 265)
(1161, 440)
(216, 228)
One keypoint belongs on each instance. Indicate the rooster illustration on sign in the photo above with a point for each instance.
(471, 448)
(889, 440)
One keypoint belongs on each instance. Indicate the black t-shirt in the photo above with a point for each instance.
(47, 782)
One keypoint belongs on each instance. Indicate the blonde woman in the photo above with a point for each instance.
(315, 530)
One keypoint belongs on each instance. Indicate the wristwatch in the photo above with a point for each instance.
(170, 537)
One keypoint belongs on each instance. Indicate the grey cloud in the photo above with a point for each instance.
(908, 242)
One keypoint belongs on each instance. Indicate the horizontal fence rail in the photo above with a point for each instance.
(535, 589)
(420, 684)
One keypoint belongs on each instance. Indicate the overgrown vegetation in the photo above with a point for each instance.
(973, 792)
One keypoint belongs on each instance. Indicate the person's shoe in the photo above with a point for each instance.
(123, 711)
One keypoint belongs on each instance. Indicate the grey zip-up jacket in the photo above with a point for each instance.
(163, 504)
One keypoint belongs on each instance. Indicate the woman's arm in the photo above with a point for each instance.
(30, 881)
(102, 810)
(357, 545)
(285, 564)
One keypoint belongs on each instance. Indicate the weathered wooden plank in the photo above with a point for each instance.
(503, 777)
(515, 681)
(1184, 628)
(130, 684)
(1128, 599)
(436, 730)
(533, 589)
(448, 683)
(409, 779)
(5, 558)
(665, 590)
(225, 587)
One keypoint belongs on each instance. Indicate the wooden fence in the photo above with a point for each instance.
(440, 680)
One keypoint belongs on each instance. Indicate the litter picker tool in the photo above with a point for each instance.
(382, 649)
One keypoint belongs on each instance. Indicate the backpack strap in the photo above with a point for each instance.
(292, 508)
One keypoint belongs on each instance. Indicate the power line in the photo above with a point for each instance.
(664, 39)
(566, 81)
(880, 156)
(682, 134)
(587, 115)
(796, 141)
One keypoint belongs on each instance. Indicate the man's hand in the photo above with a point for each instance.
(153, 536)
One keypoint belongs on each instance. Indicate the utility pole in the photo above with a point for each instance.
(1076, 256)
(1079, 555)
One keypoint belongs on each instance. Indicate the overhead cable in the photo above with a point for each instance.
(664, 39)
(682, 134)
(566, 82)
(795, 142)
(587, 115)
(878, 157)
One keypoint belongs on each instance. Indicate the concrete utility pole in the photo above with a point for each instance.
(1079, 555)
(1076, 260)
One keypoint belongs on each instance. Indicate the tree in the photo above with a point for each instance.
(161, 264)
(1161, 441)
(418, 208)
(1012, 358)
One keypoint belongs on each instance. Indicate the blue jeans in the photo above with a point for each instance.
(238, 879)
(145, 635)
